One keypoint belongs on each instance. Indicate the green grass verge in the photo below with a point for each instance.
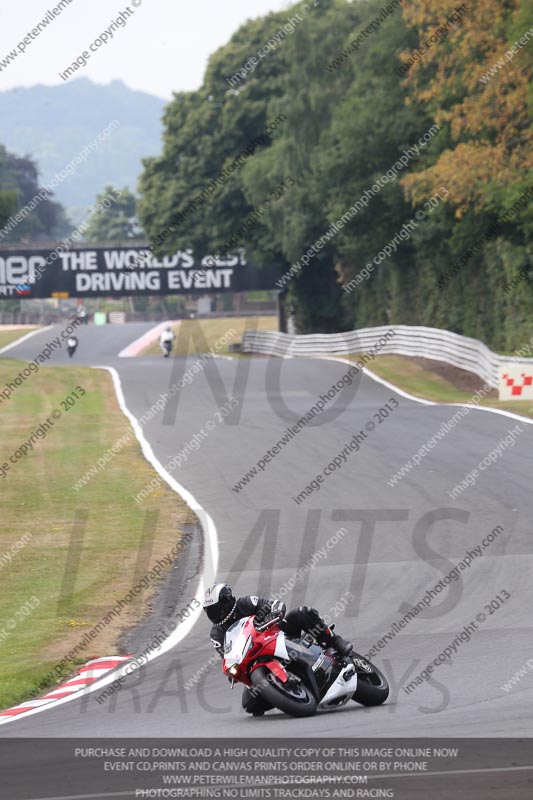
(82, 547)
(412, 377)
(202, 335)
(6, 337)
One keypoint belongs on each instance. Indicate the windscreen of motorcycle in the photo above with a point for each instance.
(237, 642)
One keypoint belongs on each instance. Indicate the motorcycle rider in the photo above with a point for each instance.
(166, 341)
(223, 609)
(82, 314)
(72, 344)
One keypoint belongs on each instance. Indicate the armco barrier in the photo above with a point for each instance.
(408, 340)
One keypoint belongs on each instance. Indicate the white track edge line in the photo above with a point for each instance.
(209, 568)
(140, 339)
(402, 393)
(24, 338)
(183, 629)
(405, 394)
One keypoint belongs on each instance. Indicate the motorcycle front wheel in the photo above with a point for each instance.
(372, 687)
(293, 698)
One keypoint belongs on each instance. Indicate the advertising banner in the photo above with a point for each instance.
(125, 269)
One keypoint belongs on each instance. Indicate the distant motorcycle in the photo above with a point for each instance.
(166, 348)
(166, 341)
(297, 676)
(82, 315)
(72, 344)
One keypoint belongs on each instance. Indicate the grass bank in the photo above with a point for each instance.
(76, 553)
(412, 377)
(9, 334)
(195, 336)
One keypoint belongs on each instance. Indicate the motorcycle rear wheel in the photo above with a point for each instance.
(296, 703)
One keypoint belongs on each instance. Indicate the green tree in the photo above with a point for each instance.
(206, 134)
(44, 218)
(348, 115)
(116, 219)
(8, 205)
(485, 158)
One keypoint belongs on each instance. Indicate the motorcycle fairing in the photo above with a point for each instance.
(340, 691)
(236, 642)
(275, 667)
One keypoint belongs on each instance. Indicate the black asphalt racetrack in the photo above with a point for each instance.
(397, 543)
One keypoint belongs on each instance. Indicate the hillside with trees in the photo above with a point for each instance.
(358, 85)
(116, 222)
(42, 218)
(54, 123)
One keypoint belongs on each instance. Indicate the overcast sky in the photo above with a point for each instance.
(163, 47)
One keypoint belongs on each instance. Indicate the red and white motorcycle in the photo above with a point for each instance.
(296, 675)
